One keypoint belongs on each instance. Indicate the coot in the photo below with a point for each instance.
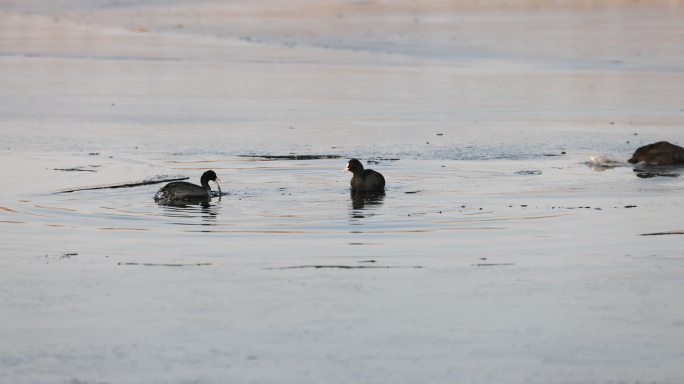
(183, 192)
(364, 179)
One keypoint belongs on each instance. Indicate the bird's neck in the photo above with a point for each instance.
(205, 185)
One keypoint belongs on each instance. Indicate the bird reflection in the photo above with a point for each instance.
(206, 211)
(646, 171)
(362, 200)
(209, 213)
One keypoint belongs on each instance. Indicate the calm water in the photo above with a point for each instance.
(296, 208)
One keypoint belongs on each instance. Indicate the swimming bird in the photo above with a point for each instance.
(181, 191)
(364, 179)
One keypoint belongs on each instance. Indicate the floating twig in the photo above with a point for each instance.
(529, 172)
(663, 233)
(124, 185)
(647, 175)
(492, 264)
(68, 255)
(293, 157)
(74, 169)
(166, 264)
(349, 267)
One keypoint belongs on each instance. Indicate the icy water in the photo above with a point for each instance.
(302, 208)
(498, 253)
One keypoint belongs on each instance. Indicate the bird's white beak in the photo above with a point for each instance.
(346, 168)
(219, 186)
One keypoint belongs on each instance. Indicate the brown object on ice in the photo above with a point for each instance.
(660, 153)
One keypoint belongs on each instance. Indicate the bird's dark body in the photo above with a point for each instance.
(181, 192)
(660, 153)
(368, 180)
(365, 179)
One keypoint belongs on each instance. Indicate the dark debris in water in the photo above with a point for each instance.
(293, 157)
(526, 172)
(663, 233)
(377, 160)
(126, 185)
(165, 264)
(75, 169)
(587, 207)
(648, 175)
(348, 267)
(492, 264)
(65, 255)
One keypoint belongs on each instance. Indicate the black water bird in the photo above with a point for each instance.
(180, 192)
(364, 179)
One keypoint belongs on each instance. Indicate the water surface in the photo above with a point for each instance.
(499, 254)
